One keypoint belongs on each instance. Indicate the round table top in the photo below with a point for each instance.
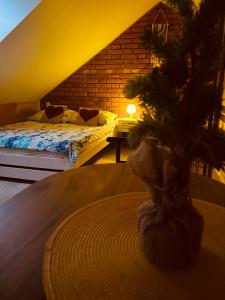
(95, 254)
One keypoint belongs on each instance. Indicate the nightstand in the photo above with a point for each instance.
(123, 126)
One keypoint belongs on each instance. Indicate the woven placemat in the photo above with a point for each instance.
(95, 254)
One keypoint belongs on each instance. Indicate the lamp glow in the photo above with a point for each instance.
(131, 109)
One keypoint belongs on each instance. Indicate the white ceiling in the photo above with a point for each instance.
(57, 38)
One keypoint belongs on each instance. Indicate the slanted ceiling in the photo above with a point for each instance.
(57, 38)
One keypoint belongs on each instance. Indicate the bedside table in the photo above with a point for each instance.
(123, 126)
(117, 141)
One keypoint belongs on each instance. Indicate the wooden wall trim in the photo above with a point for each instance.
(17, 112)
(14, 118)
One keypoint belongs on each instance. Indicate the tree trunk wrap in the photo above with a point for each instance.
(170, 227)
(170, 239)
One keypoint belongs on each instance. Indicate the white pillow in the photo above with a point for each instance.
(37, 117)
(88, 116)
(42, 117)
(70, 116)
(106, 117)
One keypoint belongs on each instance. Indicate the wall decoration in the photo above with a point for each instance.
(160, 26)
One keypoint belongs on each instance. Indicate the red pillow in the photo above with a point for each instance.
(88, 114)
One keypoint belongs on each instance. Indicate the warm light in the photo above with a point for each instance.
(131, 109)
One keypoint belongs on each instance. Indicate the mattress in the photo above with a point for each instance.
(69, 139)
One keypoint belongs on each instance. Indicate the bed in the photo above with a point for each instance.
(32, 150)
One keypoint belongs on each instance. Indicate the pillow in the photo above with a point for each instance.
(37, 117)
(106, 117)
(70, 116)
(88, 114)
(53, 111)
(50, 115)
(88, 117)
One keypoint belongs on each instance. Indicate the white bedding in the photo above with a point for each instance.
(69, 139)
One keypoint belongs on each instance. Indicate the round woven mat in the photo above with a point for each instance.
(95, 254)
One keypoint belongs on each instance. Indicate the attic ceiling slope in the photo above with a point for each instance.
(57, 38)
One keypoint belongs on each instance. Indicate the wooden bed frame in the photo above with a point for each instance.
(35, 165)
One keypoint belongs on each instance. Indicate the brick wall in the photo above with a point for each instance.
(100, 82)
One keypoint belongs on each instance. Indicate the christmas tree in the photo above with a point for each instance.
(182, 102)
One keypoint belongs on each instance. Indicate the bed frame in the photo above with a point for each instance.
(34, 165)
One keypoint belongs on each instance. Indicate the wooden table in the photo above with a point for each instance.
(95, 254)
(28, 219)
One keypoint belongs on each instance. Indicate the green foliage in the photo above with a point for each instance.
(181, 92)
(209, 147)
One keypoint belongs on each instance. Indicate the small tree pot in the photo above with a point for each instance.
(173, 242)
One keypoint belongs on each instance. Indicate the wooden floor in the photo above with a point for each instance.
(9, 188)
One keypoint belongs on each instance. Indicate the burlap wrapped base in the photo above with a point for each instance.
(175, 241)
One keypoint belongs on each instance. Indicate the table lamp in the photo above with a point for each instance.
(131, 110)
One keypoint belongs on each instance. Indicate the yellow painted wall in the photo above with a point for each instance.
(56, 39)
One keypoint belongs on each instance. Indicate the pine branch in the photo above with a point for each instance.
(184, 7)
(210, 148)
(182, 90)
